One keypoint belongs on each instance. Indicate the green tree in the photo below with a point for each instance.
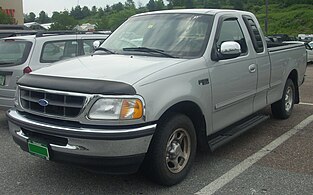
(238, 4)
(117, 7)
(170, 4)
(154, 5)
(130, 4)
(31, 17)
(43, 18)
(108, 10)
(213, 4)
(100, 12)
(178, 3)
(116, 19)
(151, 5)
(5, 19)
(160, 4)
(189, 4)
(94, 10)
(77, 13)
(63, 21)
(85, 12)
(103, 24)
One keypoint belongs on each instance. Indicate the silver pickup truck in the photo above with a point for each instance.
(162, 86)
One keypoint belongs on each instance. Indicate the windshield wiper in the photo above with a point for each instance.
(104, 49)
(148, 50)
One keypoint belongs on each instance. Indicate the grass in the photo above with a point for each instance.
(293, 20)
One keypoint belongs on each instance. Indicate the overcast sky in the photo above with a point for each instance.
(59, 5)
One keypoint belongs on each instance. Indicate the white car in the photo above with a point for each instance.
(308, 47)
(24, 54)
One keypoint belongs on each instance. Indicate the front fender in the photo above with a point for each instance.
(160, 95)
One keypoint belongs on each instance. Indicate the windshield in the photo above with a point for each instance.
(175, 35)
(14, 52)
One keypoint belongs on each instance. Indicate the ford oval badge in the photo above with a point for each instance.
(43, 102)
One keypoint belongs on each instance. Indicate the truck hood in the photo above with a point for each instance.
(120, 68)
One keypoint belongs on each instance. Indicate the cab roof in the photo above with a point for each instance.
(195, 11)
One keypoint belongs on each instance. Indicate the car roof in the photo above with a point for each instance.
(56, 36)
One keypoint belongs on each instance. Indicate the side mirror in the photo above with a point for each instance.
(230, 49)
(96, 44)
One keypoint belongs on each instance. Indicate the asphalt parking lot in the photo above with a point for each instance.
(273, 158)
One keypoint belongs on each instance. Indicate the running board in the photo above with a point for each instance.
(222, 137)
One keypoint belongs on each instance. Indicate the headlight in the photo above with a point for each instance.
(113, 109)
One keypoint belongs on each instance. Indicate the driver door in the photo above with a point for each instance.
(233, 80)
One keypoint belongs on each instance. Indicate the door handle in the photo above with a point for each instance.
(252, 68)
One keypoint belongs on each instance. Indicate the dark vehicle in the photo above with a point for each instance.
(283, 37)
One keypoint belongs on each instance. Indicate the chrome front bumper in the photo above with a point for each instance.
(83, 141)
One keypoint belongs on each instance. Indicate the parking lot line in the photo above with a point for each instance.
(309, 104)
(248, 162)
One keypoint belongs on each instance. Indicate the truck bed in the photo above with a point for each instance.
(283, 57)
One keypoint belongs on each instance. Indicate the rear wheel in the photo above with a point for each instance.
(172, 150)
(282, 109)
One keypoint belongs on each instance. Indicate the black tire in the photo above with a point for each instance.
(282, 109)
(166, 147)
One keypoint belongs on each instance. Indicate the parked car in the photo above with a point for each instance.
(308, 47)
(162, 86)
(284, 37)
(23, 54)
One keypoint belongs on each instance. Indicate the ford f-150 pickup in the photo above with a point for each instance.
(162, 86)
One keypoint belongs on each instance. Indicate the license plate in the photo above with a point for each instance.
(2, 80)
(38, 149)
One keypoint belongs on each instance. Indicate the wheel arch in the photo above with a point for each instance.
(194, 112)
(293, 75)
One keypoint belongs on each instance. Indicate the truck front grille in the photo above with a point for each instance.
(49, 103)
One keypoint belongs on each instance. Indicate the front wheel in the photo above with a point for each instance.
(172, 150)
(282, 109)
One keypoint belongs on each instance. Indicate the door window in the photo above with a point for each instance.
(58, 50)
(231, 31)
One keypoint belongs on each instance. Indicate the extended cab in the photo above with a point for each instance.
(162, 86)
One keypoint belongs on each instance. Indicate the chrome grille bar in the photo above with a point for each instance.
(65, 104)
